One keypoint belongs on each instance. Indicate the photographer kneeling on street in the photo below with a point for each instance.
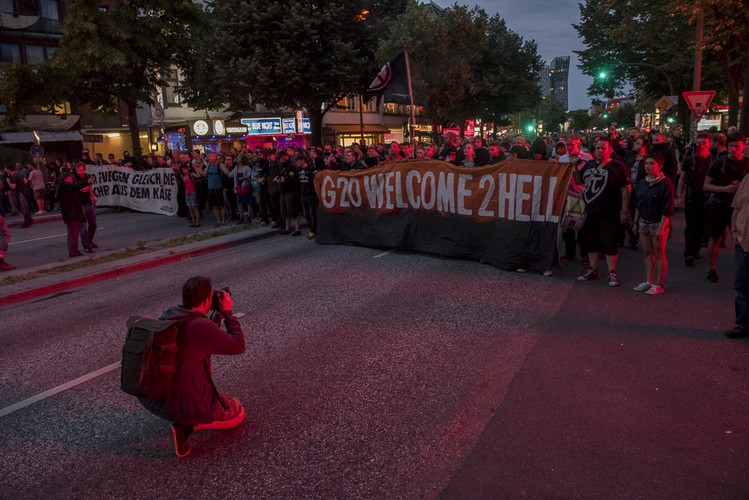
(194, 403)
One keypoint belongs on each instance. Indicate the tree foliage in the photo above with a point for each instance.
(465, 64)
(552, 113)
(108, 56)
(661, 34)
(296, 54)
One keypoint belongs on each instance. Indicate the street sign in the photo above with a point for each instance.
(699, 101)
(36, 151)
(664, 103)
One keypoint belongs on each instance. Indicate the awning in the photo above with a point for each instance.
(44, 137)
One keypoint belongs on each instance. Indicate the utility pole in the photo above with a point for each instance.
(697, 63)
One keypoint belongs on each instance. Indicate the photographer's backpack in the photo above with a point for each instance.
(148, 357)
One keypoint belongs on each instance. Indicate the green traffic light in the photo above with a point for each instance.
(602, 74)
(530, 128)
(670, 119)
(605, 115)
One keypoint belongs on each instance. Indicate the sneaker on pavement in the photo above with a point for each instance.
(588, 274)
(548, 272)
(643, 287)
(180, 434)
(40, 212)
(613, 280)
(737, 333)
(655, 290)
(521, 270)
(712, 276)
(4, 266)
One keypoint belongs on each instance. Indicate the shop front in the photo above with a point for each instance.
(347, 134)
(276, 131)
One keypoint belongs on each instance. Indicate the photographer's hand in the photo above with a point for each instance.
(226, 303)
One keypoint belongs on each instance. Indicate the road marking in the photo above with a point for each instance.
(56, 390)
(44, 238)
(64, 387)
(382, 254)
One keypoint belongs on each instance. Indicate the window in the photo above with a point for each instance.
(170, 92)
(10, 52)
(370, 104)
(34, 54)
(50, 10)
(6, 6)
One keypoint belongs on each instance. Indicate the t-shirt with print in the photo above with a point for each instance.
(602, 194)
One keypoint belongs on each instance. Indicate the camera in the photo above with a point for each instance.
(217, 296)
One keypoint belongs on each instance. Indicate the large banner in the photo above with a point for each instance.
(145, 191)
(506, 214)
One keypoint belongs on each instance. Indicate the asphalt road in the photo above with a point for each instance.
(386, 374)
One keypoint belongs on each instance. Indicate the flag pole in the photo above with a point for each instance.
(413, 115)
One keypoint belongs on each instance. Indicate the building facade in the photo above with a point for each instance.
(555, 80)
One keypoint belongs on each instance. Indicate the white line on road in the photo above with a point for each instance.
(382, 254)
(67, 385)
(56, 390)
(44, 238)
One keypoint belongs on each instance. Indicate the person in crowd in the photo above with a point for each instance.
(260, 173)
(216, 189)
(307, 172)
(740, 234)
(429, 151)
(354, 161)
(654, 202)
(719, 145)
(468, 152)
(671, 163)
(188, 175)
(451, 144)
(496, 154)
(194, 403)
(288, 188)
(277, 165)
(70, 205)
(692, 196)
(19, 187)
(406, 150)
(481, 157)
(577, 157)
(242, 176)
(226, 167)
(518, 152)
(606, 196)
(4, 242)
(721, 181)
(36, 180)
(88, 202)
(111, 159)
(560, 149)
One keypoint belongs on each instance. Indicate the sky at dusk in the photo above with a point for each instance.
(549, 23)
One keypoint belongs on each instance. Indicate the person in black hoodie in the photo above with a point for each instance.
(288, 188)
(195, 404)
(70, 205)
(307, 190)
(274, 170)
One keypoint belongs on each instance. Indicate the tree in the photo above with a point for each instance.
(659, 37)
(552, 113)
(580, 120)
(110, 56)
(288, 54)
(465, 64)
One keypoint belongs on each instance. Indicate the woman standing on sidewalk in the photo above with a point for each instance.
(654, 204)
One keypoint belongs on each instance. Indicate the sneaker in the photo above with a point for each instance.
(548, 272)
(737, 333)
(263, 223)
(712, 276)
(40, 212)
(689, 261)
(588, 274)
(296, 233)
(310, 236)
(643, 287)
(94, 245)
(88, 250)
(180, 434)
(4, 266)
(521, 270)
(613, 280)
(655, 290)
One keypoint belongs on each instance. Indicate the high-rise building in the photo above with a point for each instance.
(554, 80)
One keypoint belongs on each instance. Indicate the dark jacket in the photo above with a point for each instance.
(656, 200)
(193, 400)
(70, 201)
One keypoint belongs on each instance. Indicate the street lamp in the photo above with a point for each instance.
(602, 74)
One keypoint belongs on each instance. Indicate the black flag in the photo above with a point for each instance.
(392, 82)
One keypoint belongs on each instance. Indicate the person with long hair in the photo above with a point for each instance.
(654, 206)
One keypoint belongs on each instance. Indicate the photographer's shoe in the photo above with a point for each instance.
(181, 433)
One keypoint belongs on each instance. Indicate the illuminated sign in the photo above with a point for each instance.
(236, 130)
(289, 125)
(307, 126)
(200, 127)
(262, 126)
(218, 127)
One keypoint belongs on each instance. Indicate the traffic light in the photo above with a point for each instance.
(670, 119)
(602, 75)
(605, 115)
(529, 128)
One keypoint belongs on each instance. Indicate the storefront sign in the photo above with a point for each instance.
(289, 125)
(236, 130)
(218, 127)
(262, 126)
(201, 127)
(307, 126)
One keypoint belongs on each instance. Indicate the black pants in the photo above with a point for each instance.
(309, 206)
(571, 239)
(695, 214)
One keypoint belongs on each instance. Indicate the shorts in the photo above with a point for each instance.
(719, 217)
(601, 233)
(215, 198)
(191, 199)
(289, 206)
(645, 228)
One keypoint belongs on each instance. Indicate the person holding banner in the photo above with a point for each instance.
(606, 196)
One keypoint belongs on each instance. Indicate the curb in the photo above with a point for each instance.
(127, 269)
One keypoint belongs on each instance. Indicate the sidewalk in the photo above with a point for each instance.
(54, 283)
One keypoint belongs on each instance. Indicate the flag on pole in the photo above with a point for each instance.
(391, 84)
